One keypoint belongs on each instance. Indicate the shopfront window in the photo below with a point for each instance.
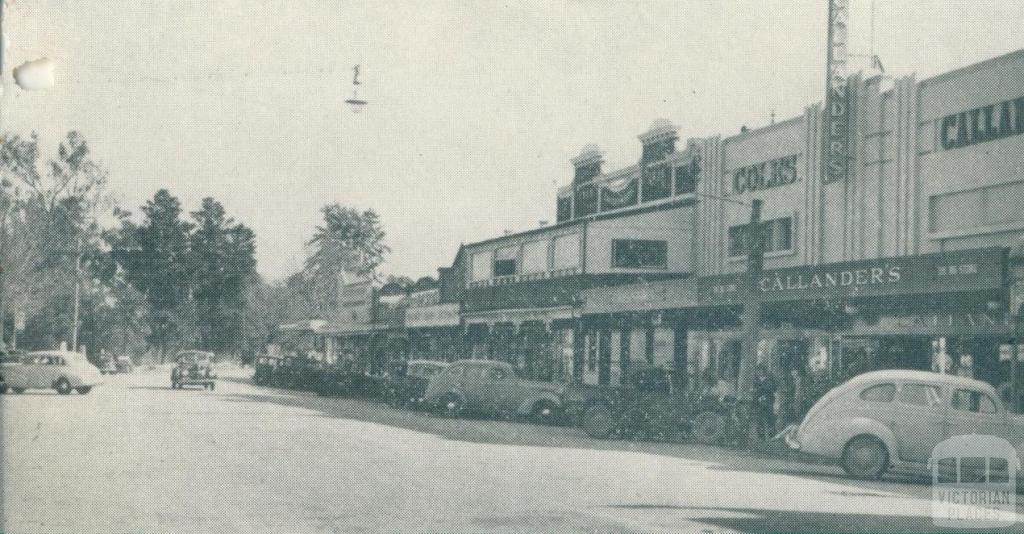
(639, 254)
(778, 237)
(505, 260)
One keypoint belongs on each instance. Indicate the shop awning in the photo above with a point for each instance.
(352, 329)
(519, 315)
(650, 296)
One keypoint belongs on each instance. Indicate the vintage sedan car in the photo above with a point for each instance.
(264, 368)
(493, 388)
(193, 368)
(124, 364)
(407, 383)
(63, 371)
(894, 419)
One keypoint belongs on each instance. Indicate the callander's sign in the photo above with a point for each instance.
(971, 270)
(837, 119)
(986, 123)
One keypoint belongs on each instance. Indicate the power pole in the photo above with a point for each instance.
(751, 318)
(78, 294)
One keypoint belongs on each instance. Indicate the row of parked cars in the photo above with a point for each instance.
(647, 406)
(869, 425)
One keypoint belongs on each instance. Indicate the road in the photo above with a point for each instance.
(136, 456)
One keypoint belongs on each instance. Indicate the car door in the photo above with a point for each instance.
(972, 411)
(35, 372)
(474, 387)
(918, 420)
(503, 390)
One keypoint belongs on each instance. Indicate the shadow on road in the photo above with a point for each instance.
(760, 520)
(527, 434)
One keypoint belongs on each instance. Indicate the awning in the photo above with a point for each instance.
(519, 315)
(352, 329)
(310, 325)
(648, 296)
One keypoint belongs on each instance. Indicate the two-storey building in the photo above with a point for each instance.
(522, 291)
(904, 263)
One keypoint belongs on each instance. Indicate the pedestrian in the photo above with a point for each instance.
(764, 403)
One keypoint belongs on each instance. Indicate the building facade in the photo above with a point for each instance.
(905, 263)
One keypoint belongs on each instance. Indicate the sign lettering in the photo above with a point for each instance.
(836, 104)
(781, 171)
(986, 123)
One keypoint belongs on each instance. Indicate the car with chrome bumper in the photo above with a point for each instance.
(893, 419)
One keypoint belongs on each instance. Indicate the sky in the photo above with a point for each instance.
(475, 108)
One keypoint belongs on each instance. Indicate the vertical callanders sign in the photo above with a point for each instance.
(836, 147)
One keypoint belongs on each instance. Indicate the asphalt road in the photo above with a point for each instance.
(136, 456)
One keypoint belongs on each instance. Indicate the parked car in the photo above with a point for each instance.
(124, 364)
(63, 371)
(193, 368)
(646, 406)
(347, 381)
(264, 368)
(106, 364)
(493, 388)
(408, 381)
(894, 418)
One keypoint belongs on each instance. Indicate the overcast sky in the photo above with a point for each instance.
(475, 107)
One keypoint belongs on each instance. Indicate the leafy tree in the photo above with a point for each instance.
(155, 258)
(347, 242)
(46, 226)
(224, 264)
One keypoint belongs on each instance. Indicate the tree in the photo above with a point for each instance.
(347, 241)
(46, 227)
(154, 256)
(224, 265)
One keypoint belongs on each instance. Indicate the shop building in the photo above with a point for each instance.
(904, 263)
(521, 300)
(433, 328)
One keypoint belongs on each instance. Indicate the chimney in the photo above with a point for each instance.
(587, 164)
(658, 141)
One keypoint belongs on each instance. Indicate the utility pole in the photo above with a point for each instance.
(78, 294)
(751, 318)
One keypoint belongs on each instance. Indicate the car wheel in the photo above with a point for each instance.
(865, 457)
(598, 422)
(450, 405)
(545, 412)
(19, 391)
(83, 390)
(709, 428)
(63, 386)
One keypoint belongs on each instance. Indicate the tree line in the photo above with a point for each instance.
(155, 281)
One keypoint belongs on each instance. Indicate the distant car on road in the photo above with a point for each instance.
(63, 371)
(492, 387)
(193, 368)
(124, 364)
(408, 382)
(894, 418)
(106, 364)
